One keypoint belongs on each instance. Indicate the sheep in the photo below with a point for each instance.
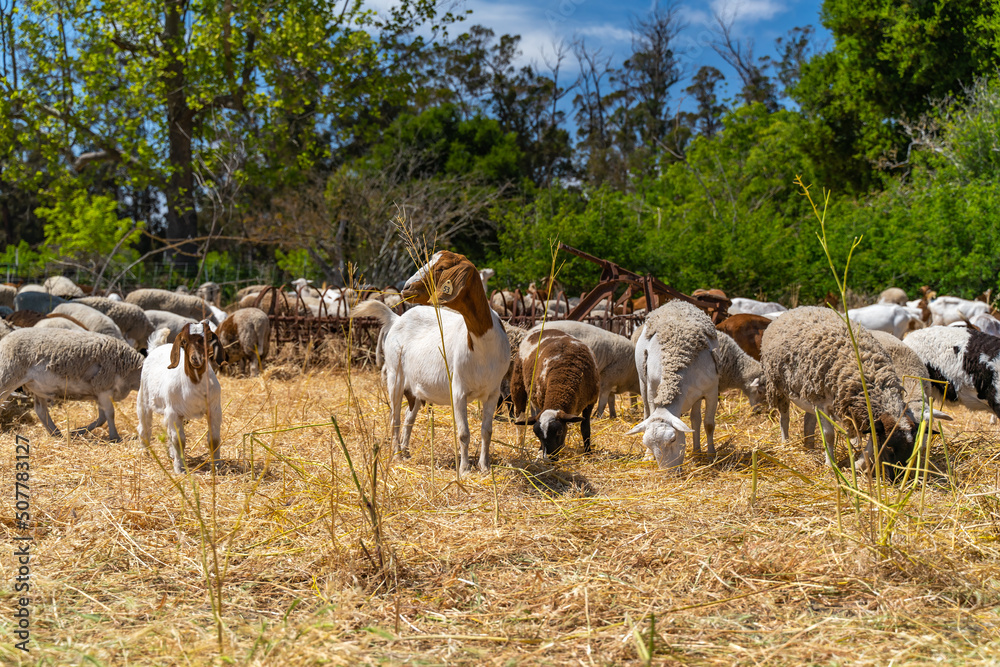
(185, 305)
(673, 356)
(485, 275)
(161, 319)
(515, 335)
(747, 330)
(892, 295)
(178, 382)
(40, 302)
(615, 357)
(557, 374)
(5, 328)
(754, 307)
(130, 318)
(24, 318)
(248, 290)
(211, 293)
(737, 370)
(969, 360)
(62, 287)
(245, 337)
(7, 294)
(475, 345)
(986, 323)
(888, 317)
(809, 360)
(73, 365)
(59, 321)
(948, 309)
(93, 319)
(273, 299)
(31, 287)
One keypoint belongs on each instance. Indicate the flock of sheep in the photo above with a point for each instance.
(56, 342)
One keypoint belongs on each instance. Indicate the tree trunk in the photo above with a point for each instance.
(182, 219)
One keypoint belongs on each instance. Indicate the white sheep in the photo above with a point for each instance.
(737, 370)
(62, 287)
(178, 382)
(130, 318)
(475, 345)
(677, 369)
(615, 357)
(162, 319)
(754, 307)
(93, 319)
(72, 365)
(186, 305)
(948, 309)
(809, 360)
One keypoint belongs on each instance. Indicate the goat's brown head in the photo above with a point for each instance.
(451, 274)
(200, 344)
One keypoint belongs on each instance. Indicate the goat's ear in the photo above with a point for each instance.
(451, 282)
(175, 349)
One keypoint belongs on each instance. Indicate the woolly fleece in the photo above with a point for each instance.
(682, 331)
(130, 318)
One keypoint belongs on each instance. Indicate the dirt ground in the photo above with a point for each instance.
(601, 560)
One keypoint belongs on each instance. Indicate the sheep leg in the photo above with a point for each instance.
(585, 429)
(783, 421)
(601, 402)
(489, 409)
(809, 430)
(711, 405)
(175, 435)
(462, 424)
(106, 412)
(830, 435)
(611, 406)
(696, 426)
(411, 416)
(42, 410)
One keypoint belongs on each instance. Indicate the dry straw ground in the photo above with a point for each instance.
(530, 565)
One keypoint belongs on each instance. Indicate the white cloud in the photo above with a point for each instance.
(748, 11)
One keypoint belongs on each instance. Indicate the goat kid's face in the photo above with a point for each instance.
(196, 339)
(450, 273)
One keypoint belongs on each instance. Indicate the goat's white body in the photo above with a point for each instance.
(171, 393)
(948, 309)
(754, 307)
(887, 317)
(414, 366)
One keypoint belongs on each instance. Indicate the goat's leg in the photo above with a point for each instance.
(411, 416)
(696, 427)
(145, 417)
(486, 431)
(42, 410)
(215, 433)
(395, 406)
(462, 424)
(585, 429)
(711, 405)
(175, 436)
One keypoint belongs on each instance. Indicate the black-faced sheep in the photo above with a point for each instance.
(558, 373)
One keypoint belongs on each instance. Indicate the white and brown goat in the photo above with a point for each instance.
(178, 382)
(558, 373)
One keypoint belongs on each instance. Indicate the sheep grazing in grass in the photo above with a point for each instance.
(71, 365)
(615, 357)
(475, 345)
(677, 369)
(245, 338)
(91, 318)
(132, 321)
(174, 324)
(62, 287)
(178, 382)
(809, 360)
(557, 374)
(186, 305)
(40, 302)
(967, 359)
(893, 295)
(747, 330)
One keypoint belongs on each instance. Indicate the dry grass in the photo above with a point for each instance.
(531, 565)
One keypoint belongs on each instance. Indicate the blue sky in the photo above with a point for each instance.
(606, 24)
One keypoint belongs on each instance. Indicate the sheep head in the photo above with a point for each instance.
(896, 438)
(550, 429)
(663, 434)
(200, 344)
(451, 274)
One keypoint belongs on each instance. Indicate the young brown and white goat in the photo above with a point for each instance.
(178, 382)
(560, 373)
